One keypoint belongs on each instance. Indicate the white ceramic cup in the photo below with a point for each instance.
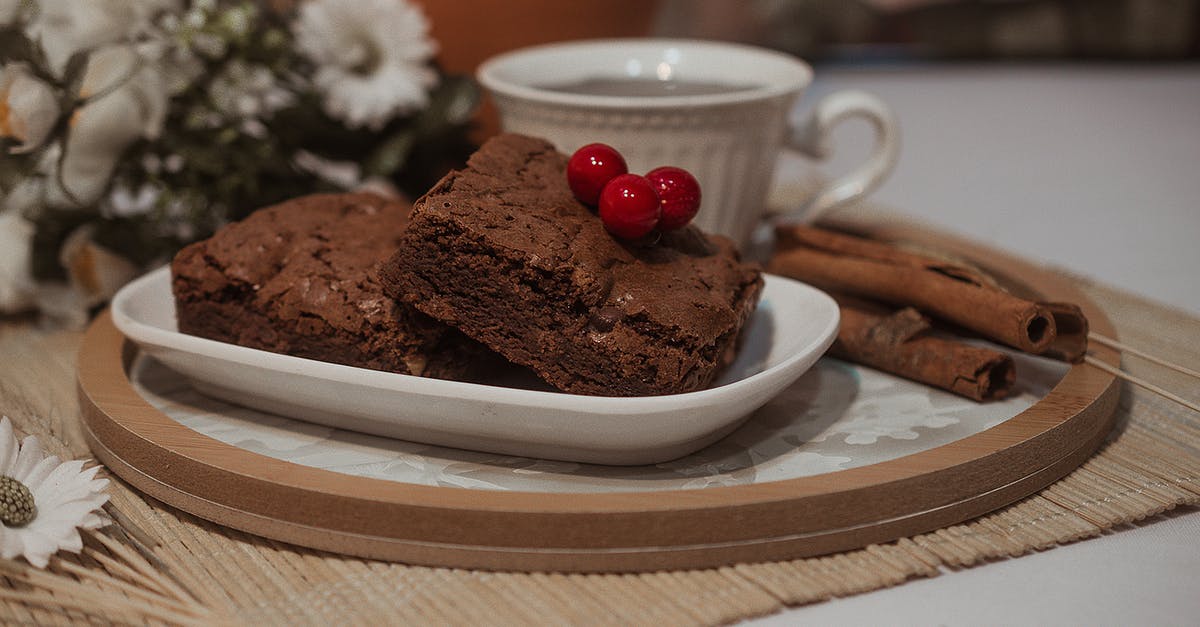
(730, 140)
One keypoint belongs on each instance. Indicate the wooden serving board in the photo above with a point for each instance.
(608, 531)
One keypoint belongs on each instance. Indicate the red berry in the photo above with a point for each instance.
(629, 206)
(591, 168)
(680, 194)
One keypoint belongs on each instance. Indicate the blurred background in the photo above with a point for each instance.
(945, 29)
(1066, 131)
(840, 30)
(830, 29)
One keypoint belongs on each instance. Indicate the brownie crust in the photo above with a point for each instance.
(504, 252)
(299, 278)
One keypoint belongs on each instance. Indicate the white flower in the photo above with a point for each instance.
(17, 286)
(131, 102)
(344, 174)
(177, 64)
(125, 203)
(65, 27)
(244, 90)
(371, 56)
(192, 30)
(28, 108)
(380, 187)
(65, 495)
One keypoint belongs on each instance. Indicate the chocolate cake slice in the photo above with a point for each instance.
(299, 278)
(503, 252)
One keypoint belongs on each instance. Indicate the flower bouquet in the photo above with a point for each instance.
(129, 128)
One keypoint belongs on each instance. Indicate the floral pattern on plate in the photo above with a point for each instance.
(837, 416)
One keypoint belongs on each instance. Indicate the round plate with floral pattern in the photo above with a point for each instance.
(841, 457)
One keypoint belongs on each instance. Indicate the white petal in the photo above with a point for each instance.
(8, 446)
(38, 548)
(88, 479)
(67, 26)
(28, 457)
(72, 542)
(33, 477)
(92, 521)
(51, 489)
(10, 542)
(32, 111)
(84, 485)
(104, 127)
(17, 286)
(88, 474)
(69, 513)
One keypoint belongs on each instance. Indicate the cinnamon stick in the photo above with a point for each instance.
(899, 343)
(796, 235)
(1071, 336)
(992, 313)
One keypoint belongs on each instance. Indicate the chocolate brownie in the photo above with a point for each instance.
(299, 278)
(503, 252)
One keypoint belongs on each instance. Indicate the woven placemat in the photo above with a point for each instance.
(197, 572)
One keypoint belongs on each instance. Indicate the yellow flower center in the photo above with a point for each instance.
(17, 507)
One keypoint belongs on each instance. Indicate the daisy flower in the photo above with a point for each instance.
(44, 502)
(371, 57)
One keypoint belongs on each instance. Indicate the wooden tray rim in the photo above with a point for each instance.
(602, 531)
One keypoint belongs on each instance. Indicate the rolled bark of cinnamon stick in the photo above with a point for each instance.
(796, 235)
(1071, 333)
(992, 313)
(899, 343)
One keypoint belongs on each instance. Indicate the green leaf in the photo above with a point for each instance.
(451, 105)
(74, 72)
(62, 183)
(15, 46)
(227, 136)
(390, 156)
(51, 228)
(460, 97)
(14, 168)
(132, 238)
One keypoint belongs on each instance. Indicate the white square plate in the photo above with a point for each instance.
(792, 327)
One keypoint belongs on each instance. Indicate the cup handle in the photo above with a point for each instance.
(812, 138)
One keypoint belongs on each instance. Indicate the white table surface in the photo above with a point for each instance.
(1092, 168)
